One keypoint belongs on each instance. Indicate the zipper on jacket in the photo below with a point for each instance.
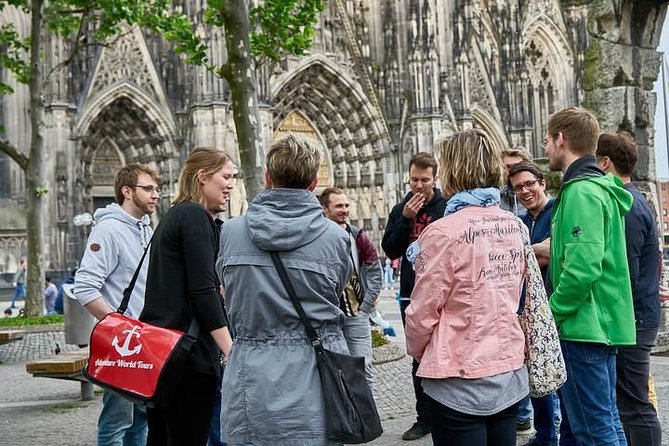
(351, 399)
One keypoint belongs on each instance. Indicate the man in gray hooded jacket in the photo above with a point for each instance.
(271, 391)
(114, 248)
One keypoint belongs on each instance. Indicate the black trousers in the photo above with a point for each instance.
(187, 420)
(422, 411)
(453, 428)
(639, 418)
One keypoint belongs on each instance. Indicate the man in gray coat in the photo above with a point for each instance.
(271, 391)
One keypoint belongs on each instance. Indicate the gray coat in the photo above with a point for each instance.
(271, 392)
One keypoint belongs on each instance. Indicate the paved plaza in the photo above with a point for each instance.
(41, 411)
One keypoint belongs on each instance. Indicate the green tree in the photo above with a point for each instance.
(263, 34)
(22, 56)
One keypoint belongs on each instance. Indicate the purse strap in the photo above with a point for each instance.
(283, 275)
(128, 290)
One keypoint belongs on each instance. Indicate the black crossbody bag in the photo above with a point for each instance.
(350, 411)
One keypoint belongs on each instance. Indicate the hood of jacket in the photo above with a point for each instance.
(115, 212)
(285, 219)
(586, 168)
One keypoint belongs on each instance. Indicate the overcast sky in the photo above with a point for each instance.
(660, 126)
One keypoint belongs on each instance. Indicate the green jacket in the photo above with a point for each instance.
(592, 301)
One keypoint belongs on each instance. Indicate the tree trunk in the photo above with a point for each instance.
(36, 171)
(240, 74)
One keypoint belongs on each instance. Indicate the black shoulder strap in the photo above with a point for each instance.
(128, 291)
(311, 332)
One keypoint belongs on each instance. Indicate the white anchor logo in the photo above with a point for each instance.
(123, 350)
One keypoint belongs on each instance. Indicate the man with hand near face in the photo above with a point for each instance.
(407, 220)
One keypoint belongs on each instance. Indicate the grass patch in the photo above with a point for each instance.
(33, 320)
(378, 339)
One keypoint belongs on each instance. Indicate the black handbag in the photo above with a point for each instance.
(350, 411)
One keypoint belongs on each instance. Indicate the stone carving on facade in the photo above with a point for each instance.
(380, 203)
(365, 202)
(124, 61)
(353, 213)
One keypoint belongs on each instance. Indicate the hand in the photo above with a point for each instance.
(412, 206)
(14, 284)
(543, 252)
(664, 293)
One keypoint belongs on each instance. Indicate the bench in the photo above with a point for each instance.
(7, 336)
(65, 365)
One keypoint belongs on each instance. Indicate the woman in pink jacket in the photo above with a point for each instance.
(462, 324)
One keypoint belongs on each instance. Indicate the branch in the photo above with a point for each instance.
(10, 150)
(74, 51)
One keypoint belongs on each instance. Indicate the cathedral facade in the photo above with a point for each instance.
(383, 80)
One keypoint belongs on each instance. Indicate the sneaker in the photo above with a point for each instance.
(524, 425)
(418, 430)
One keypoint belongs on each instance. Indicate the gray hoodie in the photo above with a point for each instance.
(271, 392)
(111, 255)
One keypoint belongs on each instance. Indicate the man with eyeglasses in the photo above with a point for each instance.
(407, 220)
(527, 182)
(508, 200)
(112, 253)
(592, 298)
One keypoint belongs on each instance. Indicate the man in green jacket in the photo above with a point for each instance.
(592, 298)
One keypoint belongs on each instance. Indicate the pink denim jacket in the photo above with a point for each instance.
(462, 320)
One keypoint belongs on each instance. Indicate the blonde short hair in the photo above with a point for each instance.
(517, 152)
(203, 161)
(293, 162)
(469, 160)
(579, 128)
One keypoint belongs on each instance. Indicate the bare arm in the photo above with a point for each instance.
(98, 308)
(664, 293)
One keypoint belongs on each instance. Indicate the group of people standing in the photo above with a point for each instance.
(464, 262)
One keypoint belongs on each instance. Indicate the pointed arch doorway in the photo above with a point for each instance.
(297, 124)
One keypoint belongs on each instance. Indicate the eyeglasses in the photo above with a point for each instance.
(149, 189)
(527, 185)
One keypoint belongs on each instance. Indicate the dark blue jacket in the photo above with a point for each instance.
(540, 230)
(643, 257)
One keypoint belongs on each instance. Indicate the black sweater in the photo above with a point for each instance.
(401, 231)
(181, 282)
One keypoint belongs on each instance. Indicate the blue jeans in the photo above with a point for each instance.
(215, 434)
(589, 395)
(121, 422)
(546, 419)
(358, 335)
(524, 409)
(19, 293)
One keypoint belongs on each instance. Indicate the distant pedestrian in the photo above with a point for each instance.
(59, 307)
(388, 274)
(50, 293)
(19, 283)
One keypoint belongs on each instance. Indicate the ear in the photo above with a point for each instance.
(313, 185)
(268, 180)
(604, 162)
(199, 175)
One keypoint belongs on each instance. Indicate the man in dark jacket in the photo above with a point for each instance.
(617, 154)
(358, 301)
(407, 220)
(526, 181)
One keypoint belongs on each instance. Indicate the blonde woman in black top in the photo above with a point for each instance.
(182, 285)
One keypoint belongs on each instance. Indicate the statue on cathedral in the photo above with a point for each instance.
(380, 202)
(365, 203)
(353, 215)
